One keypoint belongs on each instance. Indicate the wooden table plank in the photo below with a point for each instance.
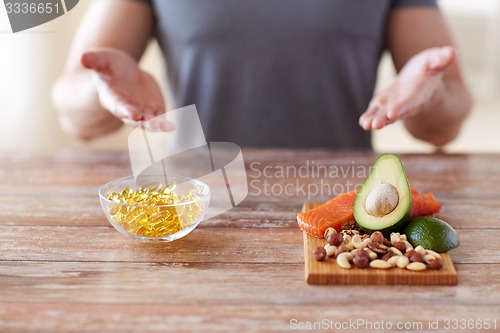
(242, 283)
(244, 318)
(202, 245)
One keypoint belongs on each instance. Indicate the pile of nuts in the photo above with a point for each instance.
(350, 247)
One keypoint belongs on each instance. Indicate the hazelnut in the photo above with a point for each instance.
(341, 249)
(364, 253)
(435, 264)
(335, 239)
(401, 246)
(377, 237)
(319, 253)
(409, 253)
(360, 260)
(416, 257)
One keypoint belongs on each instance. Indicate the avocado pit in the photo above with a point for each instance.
(382, 200)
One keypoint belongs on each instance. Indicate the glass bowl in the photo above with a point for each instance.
(158, 208)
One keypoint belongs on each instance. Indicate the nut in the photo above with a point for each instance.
(416, 266)
(377, 263)
(420, 250)
(396, 251)
(358, 243)
(335, 239)
(435, 264)
(410, 252)
(377, 237)
(350, 232)
(371, 255)
(401, 246)
(319, 253)
(348, 242)
(402, 261)
(408, 245)
(361, 260)
(378, 248)
(330, 250)
(393, 260)
(329, 231)
(428, 257)
(388, 255)
(434, 254)
(343, 260)
(395, 237)
(416, 257)
(341, 249)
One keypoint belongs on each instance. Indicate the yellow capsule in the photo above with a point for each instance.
(146, 218)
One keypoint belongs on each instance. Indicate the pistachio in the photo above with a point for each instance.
(395, 237)
(329, 231)
(348, 242)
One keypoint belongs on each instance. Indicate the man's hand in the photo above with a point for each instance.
(419, 82)
(125, 90)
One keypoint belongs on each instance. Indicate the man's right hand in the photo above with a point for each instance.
(125, 90)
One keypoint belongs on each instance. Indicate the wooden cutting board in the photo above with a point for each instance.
(328, 272)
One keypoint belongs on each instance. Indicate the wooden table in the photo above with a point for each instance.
(63, 268)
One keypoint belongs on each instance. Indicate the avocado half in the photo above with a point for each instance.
(386, 189)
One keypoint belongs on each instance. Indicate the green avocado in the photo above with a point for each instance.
(432, 234)
(384, 201)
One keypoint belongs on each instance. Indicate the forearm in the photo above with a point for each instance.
(440, 120)
(80, 112)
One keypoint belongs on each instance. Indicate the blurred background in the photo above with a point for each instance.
(31, 61)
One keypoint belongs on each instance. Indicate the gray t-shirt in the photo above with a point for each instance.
(276, 73)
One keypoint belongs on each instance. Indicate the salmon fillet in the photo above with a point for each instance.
(340, 209)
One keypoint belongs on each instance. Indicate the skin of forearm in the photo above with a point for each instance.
(80, 113)
(440, 120)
